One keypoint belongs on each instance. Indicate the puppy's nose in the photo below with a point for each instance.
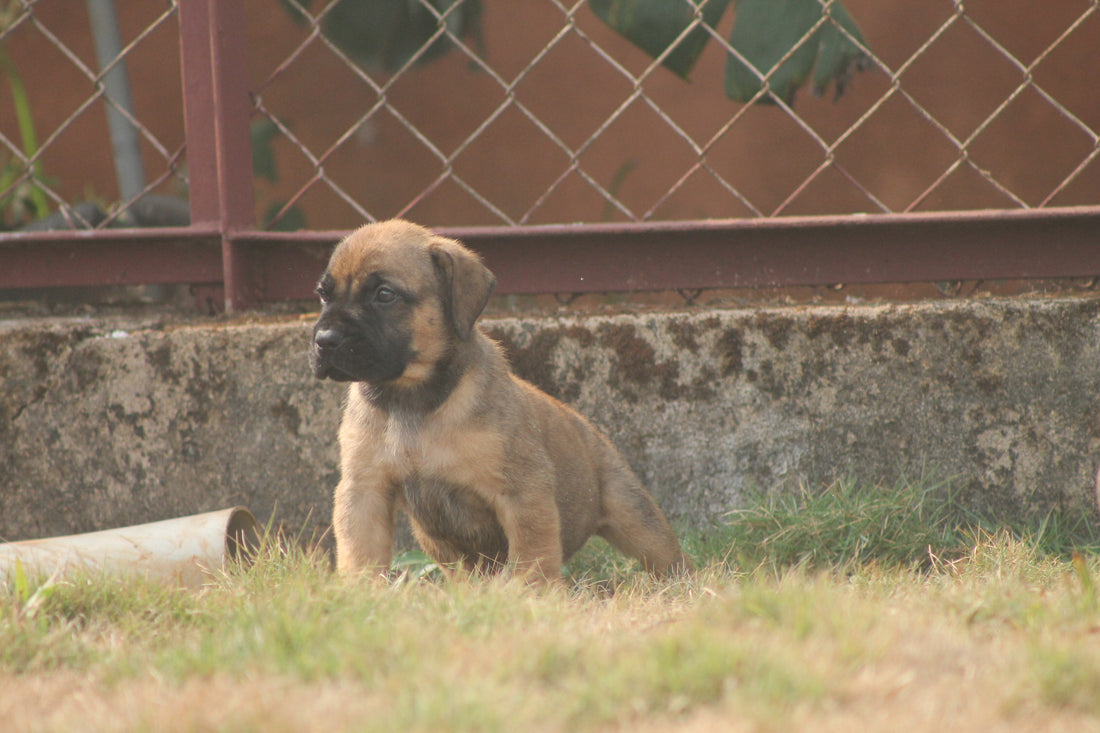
(328, 338)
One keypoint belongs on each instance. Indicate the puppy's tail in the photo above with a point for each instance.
(632, 521)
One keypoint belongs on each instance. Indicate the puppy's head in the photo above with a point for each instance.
(395, 299)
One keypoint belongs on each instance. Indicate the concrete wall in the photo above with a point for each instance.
(106, 423)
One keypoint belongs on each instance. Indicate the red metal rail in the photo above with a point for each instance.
(217, 107)
(1033, 243)
(222, 248)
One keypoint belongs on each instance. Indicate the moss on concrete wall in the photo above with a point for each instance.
(112, 422)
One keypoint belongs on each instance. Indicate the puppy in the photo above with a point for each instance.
(492, 472)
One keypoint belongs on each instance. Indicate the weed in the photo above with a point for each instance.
(849, 524)
(23, 198)
(1084, 575)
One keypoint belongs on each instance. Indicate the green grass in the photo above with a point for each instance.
(849, 524)
(852, 606)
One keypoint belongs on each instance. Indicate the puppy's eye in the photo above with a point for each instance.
(385, 295)
(323, 293)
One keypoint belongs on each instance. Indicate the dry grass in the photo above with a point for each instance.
(997, 634)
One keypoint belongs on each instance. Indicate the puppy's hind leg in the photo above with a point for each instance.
(634, 524)
(532, 525)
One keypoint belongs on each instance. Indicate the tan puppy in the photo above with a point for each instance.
(491, 471)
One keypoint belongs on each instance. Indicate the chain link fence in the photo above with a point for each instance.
(84, 138)
(501, 114)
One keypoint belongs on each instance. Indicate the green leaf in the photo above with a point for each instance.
(838, 55)
(415, 564)
(654, 25)
(292, 220)
(385, 35)
(782, 41)
(25, 120)
(22, 590)
(1088, 587)
(263, 155)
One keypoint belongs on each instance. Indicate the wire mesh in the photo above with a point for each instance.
(548, 116)
(504, 113)
(57, 159)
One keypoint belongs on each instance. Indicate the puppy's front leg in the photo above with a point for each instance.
(363, 522)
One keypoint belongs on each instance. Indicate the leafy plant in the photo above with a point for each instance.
(385, 35)
(28, 597)
(26, 199)
(278, 216)
(769, 33)
(776, 44)
(660, 27)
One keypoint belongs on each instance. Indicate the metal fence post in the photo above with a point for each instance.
(219, 152)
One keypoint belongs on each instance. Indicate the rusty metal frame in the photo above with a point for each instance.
(986, 245)
(223, 249)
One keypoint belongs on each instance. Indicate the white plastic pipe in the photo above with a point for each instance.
(184, 551)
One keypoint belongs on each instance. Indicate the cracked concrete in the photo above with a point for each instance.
(109, 422)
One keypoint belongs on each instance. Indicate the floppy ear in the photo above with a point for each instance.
(465, 283)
